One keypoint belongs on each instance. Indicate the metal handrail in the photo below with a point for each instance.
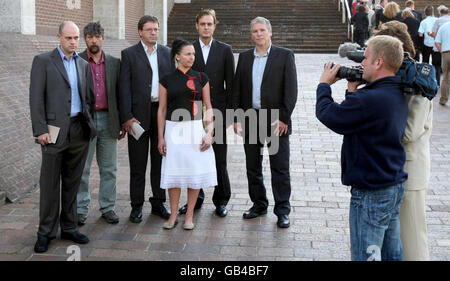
(346, 14)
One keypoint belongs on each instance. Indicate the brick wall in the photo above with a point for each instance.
(20, 157)
(134, 10)
(50, 13)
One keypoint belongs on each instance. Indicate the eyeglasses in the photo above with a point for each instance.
(151, 30)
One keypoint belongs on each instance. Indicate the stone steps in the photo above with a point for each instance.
(304, 26)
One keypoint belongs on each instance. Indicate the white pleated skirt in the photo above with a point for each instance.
(184, 165)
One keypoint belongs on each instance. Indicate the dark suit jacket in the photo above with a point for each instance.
(50, 94)
(136, 82)
(278, 87)
(219, 68)
(417, 15)
(112, 69)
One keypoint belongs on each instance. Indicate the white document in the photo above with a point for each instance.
(53, 131)
(138, 130)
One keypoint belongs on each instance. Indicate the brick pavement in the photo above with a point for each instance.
(319, 217)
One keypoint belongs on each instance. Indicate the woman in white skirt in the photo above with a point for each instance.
(188, 159)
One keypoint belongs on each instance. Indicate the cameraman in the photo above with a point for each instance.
(372, 120)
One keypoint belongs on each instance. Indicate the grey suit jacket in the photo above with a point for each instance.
(50, 94)
(136, 82)
(112, 69)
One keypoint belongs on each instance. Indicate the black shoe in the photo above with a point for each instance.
(82, 219)
(75, 237)
(254, 212)
(161, 211)
(110, 217)
(283, 221)
(41, 245)
(136, 214)
(221, 211)
(183, 210)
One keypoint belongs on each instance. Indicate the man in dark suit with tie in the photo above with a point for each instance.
(105, 86)
(59, 97)
(265, 86)
(142, 67)
(216, 59)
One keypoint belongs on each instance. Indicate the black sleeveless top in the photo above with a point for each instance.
(184, 91)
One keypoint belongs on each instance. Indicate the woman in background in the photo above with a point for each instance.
(413, 224)
(413, 29)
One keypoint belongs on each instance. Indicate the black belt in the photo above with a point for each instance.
(76, 117)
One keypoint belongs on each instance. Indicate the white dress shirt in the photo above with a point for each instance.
(153, 60)
(205, 49)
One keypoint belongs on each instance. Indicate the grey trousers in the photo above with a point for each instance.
(61, 171)
(105, 148)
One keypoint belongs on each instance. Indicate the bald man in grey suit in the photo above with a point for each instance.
(58, 97)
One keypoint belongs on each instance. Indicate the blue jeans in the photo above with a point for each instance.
(375, 223)
(106, 148)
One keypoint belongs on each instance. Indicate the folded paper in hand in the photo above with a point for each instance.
(53, 133)
(138, 130)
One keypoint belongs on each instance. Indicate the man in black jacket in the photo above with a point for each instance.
(379, 13)
(142, 66)
(216, 59)
(372, 120)
(265, 85)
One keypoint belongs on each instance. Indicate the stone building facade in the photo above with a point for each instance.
(29, 27)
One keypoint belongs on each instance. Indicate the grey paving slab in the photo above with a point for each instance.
(319, 217)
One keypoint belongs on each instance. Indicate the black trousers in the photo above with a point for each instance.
(279, 167)
(360, 37)
(222, 191)
(138, 151)
(63, 165)
(437, 60)
(426, 53)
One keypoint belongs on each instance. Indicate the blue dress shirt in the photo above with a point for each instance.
(71, 69)
(259, 64)
(443, 37)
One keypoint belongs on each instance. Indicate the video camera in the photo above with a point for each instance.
(351, 74)
(355, 53)
(416, 78)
